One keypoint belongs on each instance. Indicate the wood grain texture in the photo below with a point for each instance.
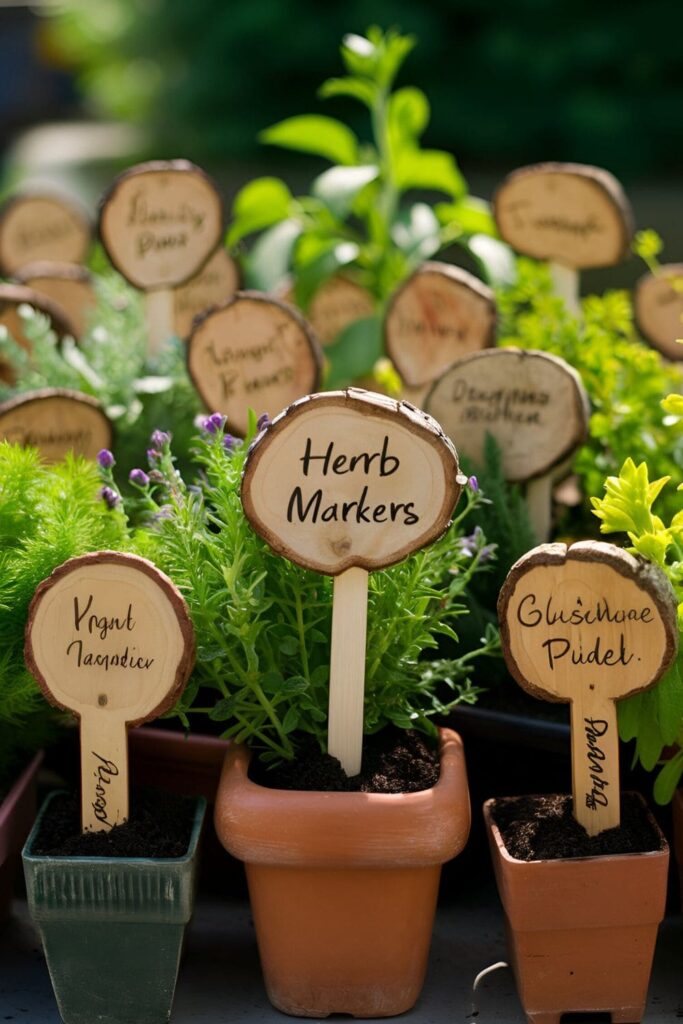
(573, 214)
(347, 669)
(590, 625)
(658, 308)
(42, 226)
(12, 296)
(350, 478)
(338, 303)
(217, 281)
(56, 421)
(252, 352)
(440, 314)
(69, 285)
(533, 404)
(160, 222)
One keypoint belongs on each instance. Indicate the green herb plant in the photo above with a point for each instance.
(263, 624)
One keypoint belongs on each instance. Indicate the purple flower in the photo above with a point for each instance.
(157, 477)
(213, 423)
(110, 497)
(473, 484)
(153, 456)
(229, 442)
(160, 438)
(105, 459)
(138, 477)
(263, 421)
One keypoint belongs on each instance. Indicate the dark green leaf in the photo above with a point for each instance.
(271, 682)
(668, 779)
(314, 133)
(224, 709)
(293, 685)
(289, 646)
(355, 351)
(291, 720)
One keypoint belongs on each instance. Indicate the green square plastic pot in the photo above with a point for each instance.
(112, 928)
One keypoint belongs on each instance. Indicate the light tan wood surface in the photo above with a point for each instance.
(12, 297)
(572, 214)
(56, 421)
(67, 284)
(589, 624)
(108, 638)
(217, 281)
(252, 352)
(41, 226)
(338, 303)
(160, 222)
(347, 669)
(658, 308)
(440, 314)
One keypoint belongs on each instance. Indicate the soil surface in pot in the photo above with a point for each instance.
(393, 762)
(160, 825)
(544, 828)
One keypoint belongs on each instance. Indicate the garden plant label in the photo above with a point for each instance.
(658, 308)
(67, 284)
(215, 282)
(108, 638)
(343, 483)
(338, 303)
(589, 624)
(56, 421)
(439, 315)
(41, 227)
(12, 298)
(252, 352)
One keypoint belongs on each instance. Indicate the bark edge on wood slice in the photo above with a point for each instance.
(77, 402)
(68, 284)
(658, 310)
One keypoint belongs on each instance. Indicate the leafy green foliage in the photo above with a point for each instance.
(47, 514)
(654, 719)
(263, 624)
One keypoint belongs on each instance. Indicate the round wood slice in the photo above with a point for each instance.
(533, 404)
(12, 296)
(41, 226)
(67, 284)
(252, 352)
(658, 307)
(56, 421)
(216, 282)
(440, 314)
(571, 214)
(160, 222)
(109, 634)
(619, 633)
(350, 479)
(338, 303)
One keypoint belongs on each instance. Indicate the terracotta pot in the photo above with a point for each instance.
(677, 812)
(17, 812)
(581, 932)
(343, 886)
(189, 765)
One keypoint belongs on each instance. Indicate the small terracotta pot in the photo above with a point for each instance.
(677, 812)
(581, 932)
(17, 813)
(343, 886)
(189, 765)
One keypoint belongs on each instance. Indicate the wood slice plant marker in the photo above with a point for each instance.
(573, 215)
(658, 307)
(440, 314)
(533, 404)
(343, 483)
(56, 421)
(42, 226)
(252, 352)
(589, 624)
(67, 284)
(159, 223)
(338, 303)
(108, 638)
(215, 282)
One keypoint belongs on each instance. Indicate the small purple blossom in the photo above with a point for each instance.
(153, 456)
(213, 423)
(138, 477)
(470, 544)
(157, 477)
(165, 512)
(473, 484)
(487, 553)
(160, 438)
(110, 497)
(263, 421)
(229, 442)
(105, 459)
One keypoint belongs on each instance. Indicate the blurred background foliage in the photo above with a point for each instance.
(508, 83)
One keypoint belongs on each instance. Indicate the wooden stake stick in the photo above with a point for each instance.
(595, 761)
(347, 669)
(160, 315)
(539, 499)
(104, 772)
(566, 287)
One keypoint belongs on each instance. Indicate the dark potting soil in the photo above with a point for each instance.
(393, 762)
(544, 828)
(160, 825)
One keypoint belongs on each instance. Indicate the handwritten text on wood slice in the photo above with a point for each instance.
(109, 638)
(588, 624)
(658, 306)
(12, 297)
(67, 284)
(533, 404)
(439, 315)
(338, 303)
(350, 479)
(41, 227)
(571, 214)
(160, 222)
(56, 421)
(252, 352)
(215, 282)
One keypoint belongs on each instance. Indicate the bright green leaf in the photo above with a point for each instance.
(429, 168)
(495, 258)
(357, 88)
(355, 351)
(314, 133)
(416, 231)
(261, 203)
(668, 779)
(408, 113)
(269, 261)
(290, 721)
(339, 186)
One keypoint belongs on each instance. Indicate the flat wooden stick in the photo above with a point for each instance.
(104, 772)
(347, 669)
(595, 762)
(539, 499)
(160, 316)
(566, 287)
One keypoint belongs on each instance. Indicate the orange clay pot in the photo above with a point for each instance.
(343, 886)
(581, 932)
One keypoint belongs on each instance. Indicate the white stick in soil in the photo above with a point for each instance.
(104, 772)
(595, 762)
(347, 669)
(566, 287)
(159, 314)
(539, 500)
